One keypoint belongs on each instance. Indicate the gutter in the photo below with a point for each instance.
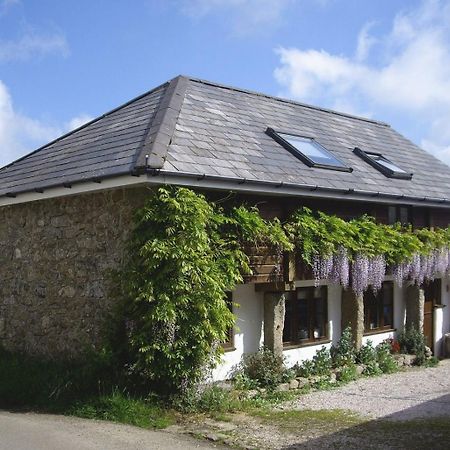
(149, 176)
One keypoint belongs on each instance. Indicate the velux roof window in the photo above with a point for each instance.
(384, 165)
(308, 150)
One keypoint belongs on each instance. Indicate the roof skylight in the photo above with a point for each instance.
(384, 165)
(308, 150)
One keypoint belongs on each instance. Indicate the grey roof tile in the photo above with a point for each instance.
(188, 125)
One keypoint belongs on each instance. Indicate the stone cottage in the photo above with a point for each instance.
(66, 209)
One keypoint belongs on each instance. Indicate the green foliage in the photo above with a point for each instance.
(185, 254)
(344, 354)
(386, 361)
(368, 356)
(119, 407)
(323, 234)
(366, 353)
(412, 341)
(348, 373)
(304, 369)
(264, 368)
(320, 364)
(27, 381)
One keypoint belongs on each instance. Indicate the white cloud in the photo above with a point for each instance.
(31, 45)
(246, 16)
(412, 77)
(365, 42)
(78, 121)
(20, 134)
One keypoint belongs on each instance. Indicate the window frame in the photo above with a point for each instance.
(229, 344)
(400, 214)
(275, 135)
(294, 319)
(380, 167)
(379, 297)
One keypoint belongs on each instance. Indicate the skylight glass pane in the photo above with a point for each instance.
(386, 163)
(312, 150)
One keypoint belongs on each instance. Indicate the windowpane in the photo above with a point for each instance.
(383, 164)
(312, 150)
(378, 308)
(386, 163)
(303, 331)
(306, 316)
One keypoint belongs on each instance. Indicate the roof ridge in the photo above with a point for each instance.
(153, 152)
(286, 100)
(60, 138)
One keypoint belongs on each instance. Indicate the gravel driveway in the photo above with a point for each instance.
(418, 393)
(46, 432)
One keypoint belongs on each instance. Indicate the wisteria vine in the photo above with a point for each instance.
(359, 253)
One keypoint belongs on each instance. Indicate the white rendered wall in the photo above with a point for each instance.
(442, 319)
(249, 331)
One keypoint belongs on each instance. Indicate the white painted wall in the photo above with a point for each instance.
(377, 338)
(442, 318)
(249, 330)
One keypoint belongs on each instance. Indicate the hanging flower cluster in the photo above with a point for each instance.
(359, 253)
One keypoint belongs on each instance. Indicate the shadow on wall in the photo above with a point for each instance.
(425, 426)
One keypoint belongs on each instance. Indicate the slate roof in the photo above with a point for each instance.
(189, 126)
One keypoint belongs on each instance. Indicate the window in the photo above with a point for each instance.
(401, 214)
(306, 317)
(308, 151)
(384, 165)
(228, 345)
(379, 308)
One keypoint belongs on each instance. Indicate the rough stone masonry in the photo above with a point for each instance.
(56, 258)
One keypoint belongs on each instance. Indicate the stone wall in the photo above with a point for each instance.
(56, 256)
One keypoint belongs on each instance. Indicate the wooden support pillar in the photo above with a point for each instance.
(274, 310)
(415, 303)
(352, 313)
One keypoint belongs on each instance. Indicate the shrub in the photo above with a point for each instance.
(367, 355)
(386, 361)
(304, 369)
(185, 254)
(348, 373)
(412, 341)
(264, 368)
(344, 353)
(216, 399)
(322, 362)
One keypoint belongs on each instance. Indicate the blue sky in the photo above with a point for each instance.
(64, 62)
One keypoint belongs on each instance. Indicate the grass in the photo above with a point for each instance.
(119, 407)
(85, 389)
(298, 420)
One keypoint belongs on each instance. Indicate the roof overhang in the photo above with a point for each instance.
(202, 181)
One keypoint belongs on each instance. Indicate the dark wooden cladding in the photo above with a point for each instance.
(264, 261)
(266, 265)
(283, 207)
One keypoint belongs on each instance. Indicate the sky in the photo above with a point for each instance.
(63, 63)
